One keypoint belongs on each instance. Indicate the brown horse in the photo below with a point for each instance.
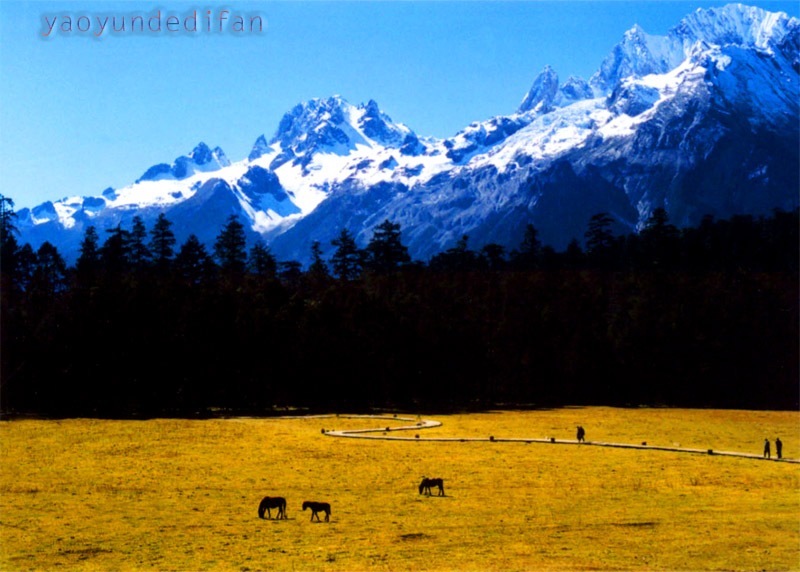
(272, 502)
(426, 484)
(317, 507)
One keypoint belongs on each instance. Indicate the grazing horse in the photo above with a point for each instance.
(317, 507)
(426, 484)
(272, 502)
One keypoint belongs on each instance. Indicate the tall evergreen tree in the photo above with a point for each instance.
(529, 254)
(290, 272)
(26, 264)
(385, 250)
(459, 257)
(318, 268)
(115, 253)
(50, 269)
(599, 238)
(162, 242)
(229, 248)
(347, 258)
(261, 261)
(7, 217)
(660, 240)
(658, 225)
(89, 260)
(8, 241)
(192, 262)
(140, 254)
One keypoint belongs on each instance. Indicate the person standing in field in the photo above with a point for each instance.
(778, 447)
(581, 434)
(766, 448)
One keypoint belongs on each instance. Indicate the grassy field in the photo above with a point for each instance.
(183, 495)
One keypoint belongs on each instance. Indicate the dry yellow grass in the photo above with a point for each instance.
(183, 495)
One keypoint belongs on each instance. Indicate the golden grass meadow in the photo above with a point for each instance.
(163, 494)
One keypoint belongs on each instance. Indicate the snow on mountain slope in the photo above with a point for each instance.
(735, 24)
(681, 127)
(200, 160)
(324, 142)
(640, 54)
(701, 121)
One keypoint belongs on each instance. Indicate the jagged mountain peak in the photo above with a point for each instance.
(201, 159)
(541, 94)
(736, 24)
(639, 54)
(201, 154)
(260, 147)
(379, 127)
(334, 125)
(546, 93)
(700, 121)
(308, 116)
(371, 108)
(574, 89)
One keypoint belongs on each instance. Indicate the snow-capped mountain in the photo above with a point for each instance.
(701, 121)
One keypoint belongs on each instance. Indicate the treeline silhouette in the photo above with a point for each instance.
(140, 326)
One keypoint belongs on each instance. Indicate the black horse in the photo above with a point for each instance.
(426, 484)
(317, 507)
(272, 502)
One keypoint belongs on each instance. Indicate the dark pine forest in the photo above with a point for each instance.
(141, 326)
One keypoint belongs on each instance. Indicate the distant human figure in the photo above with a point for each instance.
(766, 448)
(778, 448)
(581, 434)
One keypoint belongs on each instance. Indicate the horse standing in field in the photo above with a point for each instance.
(272, 502)
(426, 484)
(317, 507)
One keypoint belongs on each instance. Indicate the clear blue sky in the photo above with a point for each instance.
(79, 114)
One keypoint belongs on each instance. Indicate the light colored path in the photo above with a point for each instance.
(382, 433)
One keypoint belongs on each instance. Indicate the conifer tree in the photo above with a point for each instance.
(115, 253)
(347, 259)
(261, 261)
(599, 238)
(26, 263)
(318, 267)
(459, 257)
(49, 269)
(193, 262)
(162, 242)
(290, 272)
(660, 240)
(9, 247)
(385, 250)
(140, 254)
(7, 216)
(229, 247)
(530, 250)
(89, 260)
